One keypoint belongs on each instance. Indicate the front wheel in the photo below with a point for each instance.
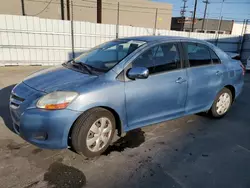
(93, 132)
(222, 103)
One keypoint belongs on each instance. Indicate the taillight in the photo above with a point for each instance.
(243, 69)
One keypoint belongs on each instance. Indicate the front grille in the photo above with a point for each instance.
(17, 98)
(14, 104)
(21, 98)
(15, 101)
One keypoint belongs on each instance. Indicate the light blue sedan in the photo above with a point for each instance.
(122, 85)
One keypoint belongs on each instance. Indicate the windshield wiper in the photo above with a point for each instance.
(90, 67)
(82, 66)
(85, 67)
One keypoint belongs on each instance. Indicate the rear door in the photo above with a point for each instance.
(205, 76)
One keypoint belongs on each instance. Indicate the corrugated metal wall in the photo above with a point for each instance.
(245, 52)
(35, 41)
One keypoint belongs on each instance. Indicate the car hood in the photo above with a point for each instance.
(57, 78)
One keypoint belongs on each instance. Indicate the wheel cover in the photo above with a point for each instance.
(223, 103)
(99, 134)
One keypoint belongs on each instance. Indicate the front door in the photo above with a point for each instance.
(163, 94)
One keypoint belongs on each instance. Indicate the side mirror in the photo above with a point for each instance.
(138, 73)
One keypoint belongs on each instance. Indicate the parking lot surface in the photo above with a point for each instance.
(189, 152)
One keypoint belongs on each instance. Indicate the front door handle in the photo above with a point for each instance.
(180, 80)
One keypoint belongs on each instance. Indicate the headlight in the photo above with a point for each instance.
(56, 100)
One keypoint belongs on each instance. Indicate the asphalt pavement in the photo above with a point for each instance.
(190, 152)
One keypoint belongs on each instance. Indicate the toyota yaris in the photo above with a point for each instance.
(122, 85)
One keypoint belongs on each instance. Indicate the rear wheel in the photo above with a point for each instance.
(93, 132)
(222, 103)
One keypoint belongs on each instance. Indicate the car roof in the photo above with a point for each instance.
(160, 38)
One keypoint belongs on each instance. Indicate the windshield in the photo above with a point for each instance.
(107, 55)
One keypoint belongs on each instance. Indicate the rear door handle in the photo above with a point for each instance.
(218, 73)
(180, 80)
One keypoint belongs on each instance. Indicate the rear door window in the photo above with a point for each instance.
(198, 54)
(214, 57)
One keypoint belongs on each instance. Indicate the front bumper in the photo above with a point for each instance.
(46, 129)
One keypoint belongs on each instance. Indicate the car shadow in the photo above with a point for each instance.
(4, 106)
(132, 139)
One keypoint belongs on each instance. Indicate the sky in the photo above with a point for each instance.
(237, 10)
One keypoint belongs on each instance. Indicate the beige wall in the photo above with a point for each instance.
(32, 7)
(130, 13)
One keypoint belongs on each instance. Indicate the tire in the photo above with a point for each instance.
(226, 95)
(81, 132)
